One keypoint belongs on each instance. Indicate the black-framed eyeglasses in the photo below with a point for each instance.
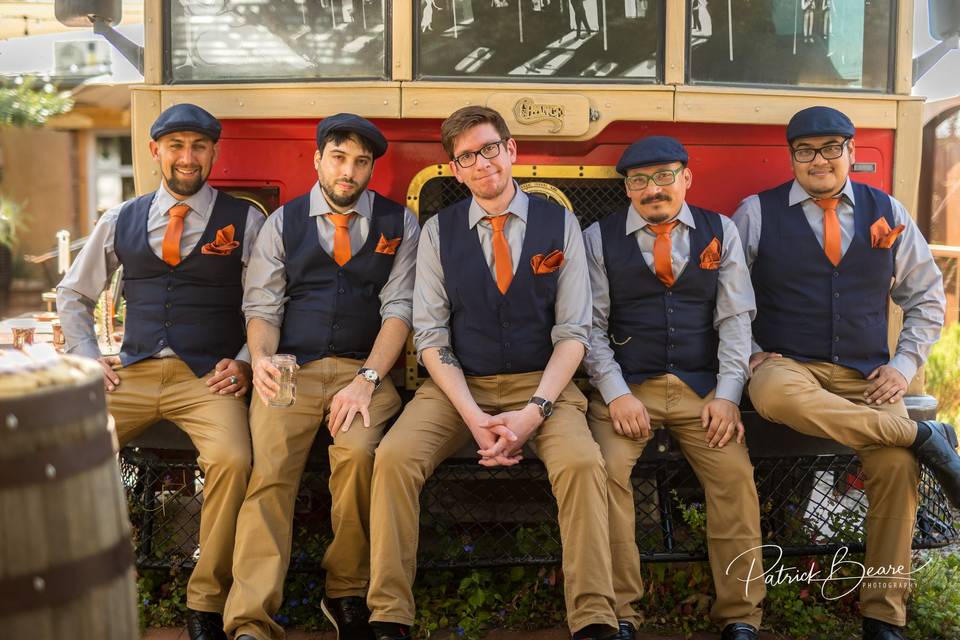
(662, 178)
(827, 152)
(488, 151)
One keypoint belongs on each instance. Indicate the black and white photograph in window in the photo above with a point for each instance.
(540, 39)
(277, 39)
(815, 43)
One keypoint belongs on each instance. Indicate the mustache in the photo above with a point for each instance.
(659, 197)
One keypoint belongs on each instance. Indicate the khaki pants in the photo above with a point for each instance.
(282, 437)
(733, 510)
(826, 400)
(166, 388)
(430, 430)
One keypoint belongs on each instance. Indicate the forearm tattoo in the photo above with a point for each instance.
(447, 357)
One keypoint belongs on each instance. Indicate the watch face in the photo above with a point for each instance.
(547, 409)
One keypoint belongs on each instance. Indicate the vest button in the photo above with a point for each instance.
(167, 306)
(672, 366)
(836, 338)
(331, 347)
(836, 358)
(508, 365)
(162, 342)
(673, 329)
(335, 326)
(836, 317)
(669, 309)
(505, 324)
(672, 346)
(669, 292)
(339, 273)
(506, 345)
(836, 294)
(836, 274)
(168, 324)
(169, 287)
(341, 291)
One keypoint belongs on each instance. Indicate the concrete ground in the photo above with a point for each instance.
(545, 634)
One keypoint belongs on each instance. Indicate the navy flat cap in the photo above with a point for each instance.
(819, 121)
(186, 117)
(354, 124)
(651, 150)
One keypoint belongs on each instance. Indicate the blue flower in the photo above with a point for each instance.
(146, 601)
(311, 585)
(460, 631)
(305, 601)
(468, 548)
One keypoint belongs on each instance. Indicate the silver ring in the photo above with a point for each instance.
(233, 379)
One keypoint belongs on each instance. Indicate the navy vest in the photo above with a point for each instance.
(334, 310)
(195, 307)
(493, 333)
(654, 329)
(807, 309)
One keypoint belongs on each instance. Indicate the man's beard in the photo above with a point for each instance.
(657, 218)
(344, 201)
(183, 186)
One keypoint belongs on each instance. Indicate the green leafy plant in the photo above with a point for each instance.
(30, 101)
(943, 374)
(12, 221)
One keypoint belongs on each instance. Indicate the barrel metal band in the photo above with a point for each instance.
(56, 463)
(52, 407)
(60, 584)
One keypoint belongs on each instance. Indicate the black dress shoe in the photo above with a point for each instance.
(627, 632)
(597, 632)
(203, 625)
(939, 453)
(739, 631)
(349, 616)
(879, 630)
(390, 631)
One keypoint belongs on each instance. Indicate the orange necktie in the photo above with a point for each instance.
(341, 237)
(831, 229)
(662, 246)
(171, 238)
(502, 262)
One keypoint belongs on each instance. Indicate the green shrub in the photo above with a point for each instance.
(943, 374)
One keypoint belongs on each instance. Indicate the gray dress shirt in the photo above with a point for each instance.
(917, 286)
(734, 311)
(264, 295)
(431, 306)
(96, 263)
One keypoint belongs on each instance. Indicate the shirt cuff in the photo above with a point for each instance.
(244, 354)
(729, 389)
(87, 349)
(612, 387)
(905, 365)
(274, 319)
(406, 318)
(433, 339)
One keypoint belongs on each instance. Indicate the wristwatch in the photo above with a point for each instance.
(545, 406)
(370, 376)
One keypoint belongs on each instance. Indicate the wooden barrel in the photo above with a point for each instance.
(66, 559)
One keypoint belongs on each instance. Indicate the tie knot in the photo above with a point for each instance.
(664, 228)
(828, 204)
(340, 220)
(179, 211)
(497, 222)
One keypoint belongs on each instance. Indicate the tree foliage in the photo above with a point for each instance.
(30, 101)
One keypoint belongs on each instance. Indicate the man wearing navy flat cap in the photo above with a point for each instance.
(183, 249)
(331, 282)
(669, 347)
(823, 251)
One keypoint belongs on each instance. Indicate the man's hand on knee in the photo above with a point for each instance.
(230, 376)
(887, 385)
(110, 378)
(630, 417)
(721, 419)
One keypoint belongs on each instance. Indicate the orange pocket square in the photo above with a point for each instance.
(882, 236)
(388, 247)
(223, 244)
(547, 263)
(710, 257)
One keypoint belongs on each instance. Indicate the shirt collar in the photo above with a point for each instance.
(799, 195)
(320, 207)
(200, 202)
(518, 207)
(636, 222)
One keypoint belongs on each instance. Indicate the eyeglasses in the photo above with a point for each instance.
(828, 152)
(488, 151)
(640, 181)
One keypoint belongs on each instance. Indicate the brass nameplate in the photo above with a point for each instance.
(543, 114)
